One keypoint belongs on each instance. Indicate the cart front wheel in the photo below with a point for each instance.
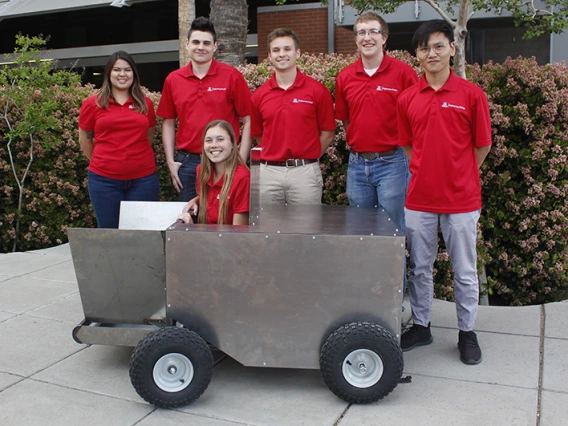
(361, 362)
(171, 367)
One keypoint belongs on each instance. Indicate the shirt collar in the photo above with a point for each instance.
(384, 64)
(112, 101)
(188, 69)
(451, 85)
(300, 78)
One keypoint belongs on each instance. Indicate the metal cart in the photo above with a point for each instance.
(314, 287)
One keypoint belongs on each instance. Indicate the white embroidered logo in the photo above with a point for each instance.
(130, 106)
(301, 101)
(386, 89)
(212, 89)
(449, 105)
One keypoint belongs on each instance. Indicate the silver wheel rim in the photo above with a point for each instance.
(362, 368)
(173, 372)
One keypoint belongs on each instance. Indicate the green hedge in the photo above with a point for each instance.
(523, 230)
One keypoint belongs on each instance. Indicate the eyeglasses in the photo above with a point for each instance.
(437, 48)
(371, 32)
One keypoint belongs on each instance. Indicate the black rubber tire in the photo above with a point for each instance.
(354, 336)
(170, 340)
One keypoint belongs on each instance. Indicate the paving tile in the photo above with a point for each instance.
(263, 396)
(554, 408)
(7, 380)
(556, 324)
(176, 418)
(436, 401)
(6, 315)
(68, 310)
(98, 369)
(64, 271)
(555, 366)
(60, 250)
(16, 264)
(32, 403)
(32, 344)
(507, 359)
(23, 294)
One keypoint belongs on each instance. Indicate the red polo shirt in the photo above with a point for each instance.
(369, 103)
(289, 121)
(239, 194)
(443, 128)
(122, 150)
(222, 94)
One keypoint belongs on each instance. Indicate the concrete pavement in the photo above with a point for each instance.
(48, 379)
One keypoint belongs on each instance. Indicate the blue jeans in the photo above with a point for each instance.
(187, 174)
(382, 181)
(106, 195)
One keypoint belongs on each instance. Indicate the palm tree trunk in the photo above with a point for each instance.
(186, 14)
(230, 18)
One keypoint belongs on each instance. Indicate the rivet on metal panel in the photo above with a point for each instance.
(402, 245)
(396, 230)
(400, 291)
(389, 218)
(397, 336)
(264, 363)
(313, 238)
(278, 232)
(220, 235)
(372, 234)
(361, 238)
(266, 236)
(169, 239)
(357, 205)
(253, 224)
(169, 306)
(187, 229)
(376, 206)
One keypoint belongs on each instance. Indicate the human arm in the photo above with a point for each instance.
(86, 142)
(246, 142)
(169, 143)
(326, 138)
(407, 151)
(150, 133)
(480, 154)
(345, 125)
(241, 218)
(190, 209)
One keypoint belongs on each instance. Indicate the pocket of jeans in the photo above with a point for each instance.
(352, 158)
(317, 172)
(397, 157)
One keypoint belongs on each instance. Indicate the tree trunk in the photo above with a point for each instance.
(230, 18)
(186, 15)
(460, 34)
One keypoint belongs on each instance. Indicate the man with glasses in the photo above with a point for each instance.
(365, 101)
(445, 131)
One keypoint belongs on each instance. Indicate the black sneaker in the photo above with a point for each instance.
(470, 352)
(417, 335)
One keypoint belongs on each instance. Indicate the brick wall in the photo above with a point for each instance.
(344, 41)
(309, 24)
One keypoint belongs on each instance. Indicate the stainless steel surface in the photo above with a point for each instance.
(121, 274)
(271, 294)
(111, 334)
(254, 185)
(149, 215)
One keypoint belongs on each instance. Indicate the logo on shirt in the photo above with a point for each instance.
(386, 89)
(449, 105)
(301, 101)
(130, 106)
(213, 89)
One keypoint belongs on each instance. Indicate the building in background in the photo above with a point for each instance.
(83, 33)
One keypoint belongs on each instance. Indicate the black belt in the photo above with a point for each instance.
(373, 155)
(189, 154)
(291, 162)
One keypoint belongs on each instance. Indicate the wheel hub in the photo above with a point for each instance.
(362, 368)
(173, 372)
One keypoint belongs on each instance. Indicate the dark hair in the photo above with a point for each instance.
(372, 16)
(202, 24)
(422, 34)
(283, 32)
(135, 90)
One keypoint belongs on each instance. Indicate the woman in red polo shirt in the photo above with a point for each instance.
(115, 129)
(223, 181)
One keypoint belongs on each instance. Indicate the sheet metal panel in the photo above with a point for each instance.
(270, 298)
(121, 274)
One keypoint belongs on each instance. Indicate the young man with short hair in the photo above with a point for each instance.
(292, 118)
(445, 130)
(365, 100)
(203, 91)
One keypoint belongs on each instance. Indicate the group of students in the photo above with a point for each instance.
(416, 146)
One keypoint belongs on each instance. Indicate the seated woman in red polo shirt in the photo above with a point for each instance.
(223, 181)
(115, 130)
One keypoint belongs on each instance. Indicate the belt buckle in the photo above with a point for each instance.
(369, 155)
(291, 162)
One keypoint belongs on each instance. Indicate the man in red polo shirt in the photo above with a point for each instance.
(203, 91)
(292, 118)
(365, 100)
(445, 130)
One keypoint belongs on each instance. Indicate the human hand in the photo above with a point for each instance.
(174, 168)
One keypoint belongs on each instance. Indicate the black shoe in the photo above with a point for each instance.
(470, 352)
(417, 335)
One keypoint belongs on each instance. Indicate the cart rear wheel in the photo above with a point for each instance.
(361, 362)
(171, 367)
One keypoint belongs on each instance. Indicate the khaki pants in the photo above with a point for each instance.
(293, 185)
